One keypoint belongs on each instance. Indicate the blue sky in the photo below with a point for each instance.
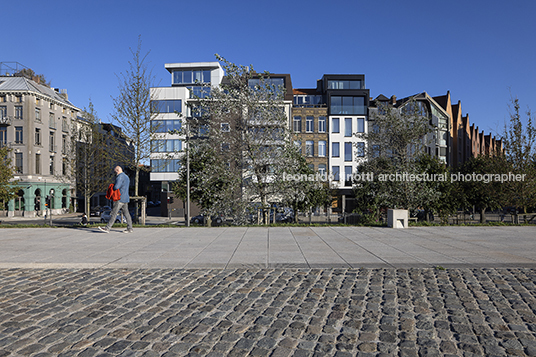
(479, 50)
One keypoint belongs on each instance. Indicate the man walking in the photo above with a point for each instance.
(122, 183)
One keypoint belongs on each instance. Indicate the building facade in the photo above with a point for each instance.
(35, 123)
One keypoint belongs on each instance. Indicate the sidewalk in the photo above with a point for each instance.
(276, 247)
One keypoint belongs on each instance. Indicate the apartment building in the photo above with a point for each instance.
(35, 122)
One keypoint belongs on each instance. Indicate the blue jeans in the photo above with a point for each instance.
(115, 210)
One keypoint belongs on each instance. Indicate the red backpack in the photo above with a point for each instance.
(112, 194)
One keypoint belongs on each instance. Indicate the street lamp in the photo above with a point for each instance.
(50, 205)
(187, 174)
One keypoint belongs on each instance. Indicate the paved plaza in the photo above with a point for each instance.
(299, 291)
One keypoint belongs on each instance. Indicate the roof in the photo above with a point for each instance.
(23, 84)
(305, 91)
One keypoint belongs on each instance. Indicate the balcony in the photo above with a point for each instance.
(6, 120)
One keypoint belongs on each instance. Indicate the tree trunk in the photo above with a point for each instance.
(483, 215)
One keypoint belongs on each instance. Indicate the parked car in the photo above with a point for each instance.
(106, 216)
(200, 219)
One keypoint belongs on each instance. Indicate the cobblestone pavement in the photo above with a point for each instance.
(268, 312)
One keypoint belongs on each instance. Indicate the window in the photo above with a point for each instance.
(335, 125)
(64, 144)
(170, 145)
(309, 148)
(3, 136)
(322, 148)
(348, 176)
(191, 76)
(348, 105)
(309, 124)
(64, 166)
(360, 125)
(347, 127)
(52, 146)
(18, 112)
(18, 162)
(165, 126)
(335, 152)
(360, 149)
(347, 151)
(51, 121)
(297, 124)
(3, 112)
(37, 137)
(2, 98)
(344, 84)
(199, 91)
(18, 135)
(51, 168)
(307, 100)
(64, 125)
(225, 127)
(273, 84)
(321, 124)
(321, 169)
(38, 164)
(166, 106)
(38, 114)
(298, 146)
(18, 99)
(165, 165)
(335, 173)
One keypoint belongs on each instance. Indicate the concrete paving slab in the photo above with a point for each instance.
(263, 247)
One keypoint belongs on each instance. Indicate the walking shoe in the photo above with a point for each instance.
(128, 231)
(104, 230)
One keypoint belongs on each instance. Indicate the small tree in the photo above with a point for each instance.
(395, 143)
(519, 145)
(479, 193)
(134, 113)
(90, 167)
(8, 187)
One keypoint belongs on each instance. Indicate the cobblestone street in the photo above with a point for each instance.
(268, 312)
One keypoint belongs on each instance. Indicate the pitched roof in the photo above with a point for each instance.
(23, 84)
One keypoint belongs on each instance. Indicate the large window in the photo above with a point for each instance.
(19, 135)
(3, 136)
(348, 176)
(38, 164)
(166, 106)
(335, 150)
(321, 124)
(348, 127)
(297, 124)
(271, 82)
(191, 77)
(171, 145)
(52, 142)
(51, 168)
(348, 105)
(360, 152)
(360, 125)
(307, 100)
(309, 124)
(347, 151)
(335, 172)
(322, 148)
(335, 125)
(309, 148)
(345, 84)
(18, 162)
(164, 126)
(38, 114)
(37, 137)
(3, 112)
(165, 165)
(18, 112)
(199, 91)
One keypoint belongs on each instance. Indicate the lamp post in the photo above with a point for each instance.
(50, 205)
(187, 174)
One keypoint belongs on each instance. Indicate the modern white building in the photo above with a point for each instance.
(188, 81)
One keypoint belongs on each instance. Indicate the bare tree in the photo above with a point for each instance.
(133, 113)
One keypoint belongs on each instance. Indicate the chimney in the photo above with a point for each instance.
(36, 79)
(63, 93)
(393, 100)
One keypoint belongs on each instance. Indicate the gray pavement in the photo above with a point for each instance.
(276, 247)
(296, 291)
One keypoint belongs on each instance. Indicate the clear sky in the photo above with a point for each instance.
(479, 50)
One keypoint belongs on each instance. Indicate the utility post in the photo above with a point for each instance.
(187, 173)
